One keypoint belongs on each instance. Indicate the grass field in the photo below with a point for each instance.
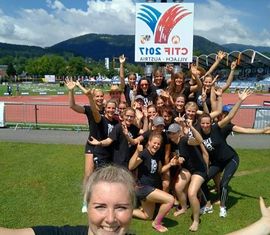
(41, 184)
(43, 88)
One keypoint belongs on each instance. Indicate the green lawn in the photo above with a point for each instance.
(37, 88)
(41, 184)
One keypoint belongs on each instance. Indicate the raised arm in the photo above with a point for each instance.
(122, 60)
(129, 139)
(195, 76)
(218, 108)
(242, 96)
(70, 84)
(220, 56)
(230, 78)
(135, 160)
(197, 138)
(90, 95)
(245, 130)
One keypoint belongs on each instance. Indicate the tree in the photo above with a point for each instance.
(11, 72)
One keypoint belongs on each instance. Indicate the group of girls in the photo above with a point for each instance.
(169, 133)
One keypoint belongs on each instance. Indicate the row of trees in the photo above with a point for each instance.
(61, 66)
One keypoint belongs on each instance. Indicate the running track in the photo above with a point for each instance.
(54, 109)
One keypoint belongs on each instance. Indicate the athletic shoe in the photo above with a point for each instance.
(222, 212)
(84, 207)
(206, 210)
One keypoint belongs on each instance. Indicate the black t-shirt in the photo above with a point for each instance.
(150, 97)
(186, 91)
(91, 121)
(105, 127)
(127, 94)
(198, 98)
(122, 150)
(148, 170)
(227, 130)
(64, 230)
(217, 146)
(193, 157)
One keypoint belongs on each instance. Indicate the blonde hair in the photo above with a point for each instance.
(110, 174)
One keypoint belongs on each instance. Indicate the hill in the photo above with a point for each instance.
(241, 47)
(20, 50)
(99, 46)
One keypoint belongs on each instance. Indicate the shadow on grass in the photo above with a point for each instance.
(232, 199)
(170, 222)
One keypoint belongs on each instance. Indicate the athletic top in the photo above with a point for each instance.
(100, 131)
(122, 150)
(193, 157)
(63, 230)
(128, 92)
(148, 170)
(226, 130)
(198, 100)
(217, 146)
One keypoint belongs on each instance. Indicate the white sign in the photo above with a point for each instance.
(2, 114)
(50, 78)
(164, 32)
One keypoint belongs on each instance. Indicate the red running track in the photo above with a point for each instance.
(54, 109)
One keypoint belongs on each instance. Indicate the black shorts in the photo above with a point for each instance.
(203, 174)
(142, 191)
(89, 149)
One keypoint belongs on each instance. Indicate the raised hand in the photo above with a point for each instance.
(70, 84)
(221, 55)
(218, 91)
(214, 80)
(204, 96)
(233, 65)
(122, 59)
(244, 94)
(194, 70)
(140, 147)
(125, 130)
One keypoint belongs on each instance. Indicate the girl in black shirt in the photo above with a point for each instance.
(149, 183)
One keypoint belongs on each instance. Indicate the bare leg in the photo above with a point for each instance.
(146, 212)
(166, 200)
(88, 167)
(194, 187)
(181, 191)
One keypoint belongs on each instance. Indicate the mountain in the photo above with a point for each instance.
(20, 50)
(99, 46)
(241, 47)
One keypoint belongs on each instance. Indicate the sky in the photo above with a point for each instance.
(47, 22)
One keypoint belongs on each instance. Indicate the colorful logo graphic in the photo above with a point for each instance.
(161, 25)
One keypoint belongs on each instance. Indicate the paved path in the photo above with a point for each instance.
(74, 137)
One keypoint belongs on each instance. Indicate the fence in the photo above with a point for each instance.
(36, 115)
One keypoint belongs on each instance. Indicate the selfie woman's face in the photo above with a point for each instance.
(110, 209)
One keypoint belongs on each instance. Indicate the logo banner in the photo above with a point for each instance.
(164, 32)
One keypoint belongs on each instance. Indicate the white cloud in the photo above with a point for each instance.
(222, 24)
(44, 28)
